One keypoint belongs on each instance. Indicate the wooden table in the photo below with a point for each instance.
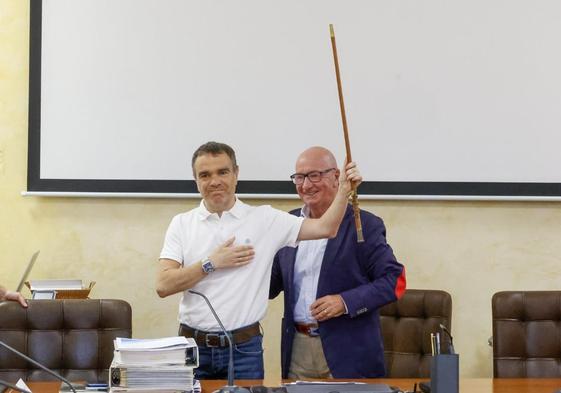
(467, 385)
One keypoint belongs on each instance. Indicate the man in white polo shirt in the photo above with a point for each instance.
(224, 249)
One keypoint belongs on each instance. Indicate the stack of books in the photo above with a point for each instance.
(149, 365)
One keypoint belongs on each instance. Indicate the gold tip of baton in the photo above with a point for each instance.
(359, 237)
(331, 31)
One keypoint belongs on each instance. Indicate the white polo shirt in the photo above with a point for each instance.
(239, 295)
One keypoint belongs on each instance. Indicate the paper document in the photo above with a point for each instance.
(134, 344)
(22, 385)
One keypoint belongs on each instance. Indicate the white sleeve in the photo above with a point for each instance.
(287, 227)
(173, 247)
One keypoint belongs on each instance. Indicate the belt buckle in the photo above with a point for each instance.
(313, 331)
(210, 336)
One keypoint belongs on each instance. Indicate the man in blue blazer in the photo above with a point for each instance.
(333, 288)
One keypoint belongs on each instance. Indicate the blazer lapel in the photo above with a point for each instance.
(291, 258)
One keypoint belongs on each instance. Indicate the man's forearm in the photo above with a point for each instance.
(174, 280)
(333, 216)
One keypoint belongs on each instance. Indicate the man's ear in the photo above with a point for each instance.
(337, 173)
(236, 172)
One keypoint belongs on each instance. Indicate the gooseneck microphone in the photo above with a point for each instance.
(57, 376)
(13, 387)
(445, 330)
(230, 388)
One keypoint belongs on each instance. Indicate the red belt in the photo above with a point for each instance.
(309, 329)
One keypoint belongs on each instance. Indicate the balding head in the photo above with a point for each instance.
(317, 155)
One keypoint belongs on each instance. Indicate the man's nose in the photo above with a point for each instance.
(214, 179)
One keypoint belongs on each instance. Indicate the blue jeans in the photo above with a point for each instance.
(248, 361)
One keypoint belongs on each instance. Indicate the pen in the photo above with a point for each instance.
(437, 342)
(432, 344)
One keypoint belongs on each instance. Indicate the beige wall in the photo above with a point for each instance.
(471, 249)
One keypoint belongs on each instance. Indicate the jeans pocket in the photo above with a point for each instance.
(251, 347)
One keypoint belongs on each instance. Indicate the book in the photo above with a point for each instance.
(150, 365)
(139, 358)
(154, 352)
(166, 377)
(140, 344)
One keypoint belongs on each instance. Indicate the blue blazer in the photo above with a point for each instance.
(367, 276)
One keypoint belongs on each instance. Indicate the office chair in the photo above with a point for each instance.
(72, 337)
(406, 327)
(526, 334)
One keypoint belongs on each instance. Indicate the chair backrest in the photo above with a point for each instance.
(527, 334)
(71, 337)
(406, 327)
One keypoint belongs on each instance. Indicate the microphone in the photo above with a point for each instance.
(57, 376)
(230, 388)
(13, 387)
(445, 330)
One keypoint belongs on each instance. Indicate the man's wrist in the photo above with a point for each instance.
(344, 192)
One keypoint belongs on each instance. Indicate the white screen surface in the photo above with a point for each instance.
(435, 91)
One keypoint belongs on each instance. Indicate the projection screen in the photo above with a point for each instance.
(444, 99)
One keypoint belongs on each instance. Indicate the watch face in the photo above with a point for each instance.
(208, 267)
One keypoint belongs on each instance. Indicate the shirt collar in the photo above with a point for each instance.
(237, 211)
(305, 212)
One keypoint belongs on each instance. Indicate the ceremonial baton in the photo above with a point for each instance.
(354, 197)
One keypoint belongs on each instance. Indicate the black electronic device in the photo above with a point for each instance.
(265, 389)
(338, 387)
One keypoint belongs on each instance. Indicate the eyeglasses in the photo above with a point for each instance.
(314, 176)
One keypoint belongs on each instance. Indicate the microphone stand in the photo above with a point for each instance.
(13, 387)
(445, 330)
(230, 388)
(57, 376)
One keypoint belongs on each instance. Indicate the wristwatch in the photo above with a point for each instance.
(208, 266)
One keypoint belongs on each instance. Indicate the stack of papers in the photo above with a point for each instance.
(149, 365)
(153, 352)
